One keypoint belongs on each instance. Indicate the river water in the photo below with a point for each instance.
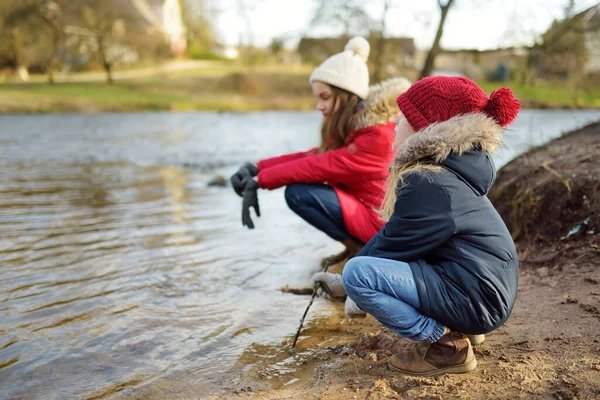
(123, 273)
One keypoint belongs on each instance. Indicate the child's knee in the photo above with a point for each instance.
(295, 195)
(291, 194)
(353, 271)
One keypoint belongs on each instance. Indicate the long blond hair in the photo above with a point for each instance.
(396, 181)
(335, 130)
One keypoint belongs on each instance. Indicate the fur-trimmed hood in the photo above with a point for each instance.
(456, 135)
(462, 145)
(381, 107)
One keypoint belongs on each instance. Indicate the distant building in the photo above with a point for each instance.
(480, 64)
(592, 39)
(165, 15)
(399, 52)
(573, 50)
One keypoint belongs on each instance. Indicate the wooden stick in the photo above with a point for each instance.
(564, 181)
(312, 298)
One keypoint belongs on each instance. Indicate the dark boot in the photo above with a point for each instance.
(352, 249)
(452, 354)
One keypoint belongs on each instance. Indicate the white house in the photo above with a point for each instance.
(165, 15)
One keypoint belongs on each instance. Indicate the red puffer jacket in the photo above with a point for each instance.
(358, 171)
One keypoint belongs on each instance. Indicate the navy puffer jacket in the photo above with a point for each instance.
(459, 249)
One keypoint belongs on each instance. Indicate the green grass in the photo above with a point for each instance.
(551, 95)
(86, 97)
(217, 86)
(174, 94)
(224, 86)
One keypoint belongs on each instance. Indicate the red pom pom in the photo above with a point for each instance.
(502, 106)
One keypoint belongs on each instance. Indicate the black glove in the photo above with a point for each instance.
(250, 199)
(238, 180)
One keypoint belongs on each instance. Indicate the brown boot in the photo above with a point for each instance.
(352, 249)
(452, 354)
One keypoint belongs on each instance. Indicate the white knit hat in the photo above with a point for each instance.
(347, 70)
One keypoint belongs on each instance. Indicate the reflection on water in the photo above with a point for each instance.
(115, 274)
(123, 273)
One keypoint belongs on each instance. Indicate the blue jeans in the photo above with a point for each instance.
(386, 289)
(319, 206)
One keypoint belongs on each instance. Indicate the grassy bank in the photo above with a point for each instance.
(214, 87)
(219, 86)
(122, 97)
(549, 95)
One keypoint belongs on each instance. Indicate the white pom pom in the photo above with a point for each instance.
(359, 46)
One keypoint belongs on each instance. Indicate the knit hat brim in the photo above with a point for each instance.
(337, 80)
(414, 117)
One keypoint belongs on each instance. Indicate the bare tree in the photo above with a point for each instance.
(197, 17)
(378, 68)
(570, 31)
(52, 15)
(35, 30)
(108, 25)
(276, 46)
(348, 16)
(435, 47)
(243, 10)
(244, 13)
(18, 26)
(352, 18)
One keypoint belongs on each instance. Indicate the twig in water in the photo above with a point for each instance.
(312, 298)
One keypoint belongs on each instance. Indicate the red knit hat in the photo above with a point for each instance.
(439, 98)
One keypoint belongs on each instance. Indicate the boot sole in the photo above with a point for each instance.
(455, 369)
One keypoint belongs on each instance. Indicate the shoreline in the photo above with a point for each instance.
(257, 106)
(242, 105)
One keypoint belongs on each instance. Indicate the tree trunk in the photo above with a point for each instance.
(13, 44)
(435, 48)
(56, 42)
(53, 62)
(379, 74)
(250, 55)
(530, 67)
(378, 65)
(108, 69)
(105, 63)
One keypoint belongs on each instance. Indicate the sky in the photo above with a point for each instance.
(471, 24)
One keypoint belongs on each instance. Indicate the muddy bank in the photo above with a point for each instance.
(549, 348)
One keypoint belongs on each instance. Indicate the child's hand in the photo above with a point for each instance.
(239, 179)
(329, 285)
(250, 199)
(352, 310)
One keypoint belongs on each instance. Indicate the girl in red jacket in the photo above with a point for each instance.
(338, 186)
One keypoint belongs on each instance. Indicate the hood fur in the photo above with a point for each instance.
(457, 135)
(381, 107)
